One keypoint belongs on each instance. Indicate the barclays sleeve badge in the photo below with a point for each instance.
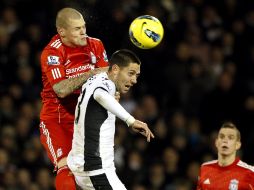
(53, 60)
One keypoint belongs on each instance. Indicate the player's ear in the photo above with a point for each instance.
(216, 142)
(60, 31)
(238, 145)
(115, 68)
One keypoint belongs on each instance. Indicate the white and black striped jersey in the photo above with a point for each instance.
(94, 127)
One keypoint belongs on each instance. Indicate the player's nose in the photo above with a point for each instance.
(133, 80)
(83, 31)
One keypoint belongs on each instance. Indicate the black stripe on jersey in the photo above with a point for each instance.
(101, 88)
(78, 114)
(101, 182)
(94, 118)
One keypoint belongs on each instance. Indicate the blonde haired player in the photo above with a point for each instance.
(228, 172)
(67, 61)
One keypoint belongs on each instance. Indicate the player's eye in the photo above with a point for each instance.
(221, 136)
(231, 137)
(77, 28)
(131, 73)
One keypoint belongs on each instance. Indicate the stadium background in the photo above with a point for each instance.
(199, 76)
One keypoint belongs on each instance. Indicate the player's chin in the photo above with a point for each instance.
(224, 153)
(82, 42)
(125, 90)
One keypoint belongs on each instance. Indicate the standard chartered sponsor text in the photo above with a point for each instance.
(80, 68)
(73, 76)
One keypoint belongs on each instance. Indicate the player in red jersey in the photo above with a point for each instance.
(228, 172)
(66, 62)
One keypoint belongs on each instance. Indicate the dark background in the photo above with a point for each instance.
(201, 75)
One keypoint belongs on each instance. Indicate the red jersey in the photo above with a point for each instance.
(59, 62)
(237, 176)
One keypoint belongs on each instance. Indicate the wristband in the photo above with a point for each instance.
(130, 120)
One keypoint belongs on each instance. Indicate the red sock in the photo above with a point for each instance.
(65, 179)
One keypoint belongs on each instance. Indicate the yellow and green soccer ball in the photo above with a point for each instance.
(146, 32)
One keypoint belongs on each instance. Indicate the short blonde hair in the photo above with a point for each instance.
(64, 15)
(231, 125)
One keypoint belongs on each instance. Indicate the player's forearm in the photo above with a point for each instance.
(67, 86)
(110, 103)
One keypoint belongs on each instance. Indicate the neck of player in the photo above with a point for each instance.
(226, 160)
(111, 76)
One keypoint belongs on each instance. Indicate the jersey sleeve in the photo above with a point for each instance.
(110, 103)
(101, 53)
(52, 66)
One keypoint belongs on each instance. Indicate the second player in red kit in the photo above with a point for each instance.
(228, 172)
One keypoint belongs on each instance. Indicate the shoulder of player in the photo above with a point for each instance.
(54, 48)
(94, 42)
(54, 44)
(99, 80)
(245, 166)
(92, 39)
(102, 77)
(209, 163)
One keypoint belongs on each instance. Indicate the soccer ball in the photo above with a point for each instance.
(146, 32)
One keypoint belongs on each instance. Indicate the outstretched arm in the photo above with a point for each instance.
(67, 86)
(111, 104)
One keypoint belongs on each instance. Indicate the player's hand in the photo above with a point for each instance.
(142, 128)
(117, 96)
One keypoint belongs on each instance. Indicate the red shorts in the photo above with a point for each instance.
(56, 137)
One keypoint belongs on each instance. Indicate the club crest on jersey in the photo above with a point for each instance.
(105, 57)
(233, 185)
(53, 60)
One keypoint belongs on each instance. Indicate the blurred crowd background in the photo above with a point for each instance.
(199, 76)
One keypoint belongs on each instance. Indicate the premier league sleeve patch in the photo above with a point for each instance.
(53, 60)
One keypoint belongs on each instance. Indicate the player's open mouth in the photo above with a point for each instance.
(224, 147)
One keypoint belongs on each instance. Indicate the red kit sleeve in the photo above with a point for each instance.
(52, 66)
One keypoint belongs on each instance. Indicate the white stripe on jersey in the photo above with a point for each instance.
(53, 73)
(56, 73)
(210, 162)
(56, 43)
(245, 165)
(93, 38)
(49, 143)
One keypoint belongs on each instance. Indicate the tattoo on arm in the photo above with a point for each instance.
(67, 86)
